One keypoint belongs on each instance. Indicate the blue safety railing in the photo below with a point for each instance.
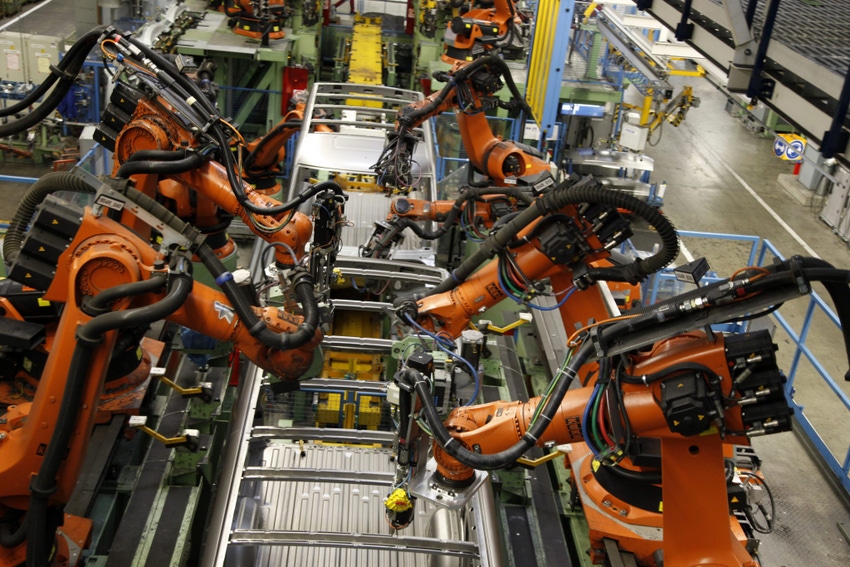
(97, 161)
(664, 284)
(840, 468)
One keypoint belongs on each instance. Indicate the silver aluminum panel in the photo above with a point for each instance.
(336, 518)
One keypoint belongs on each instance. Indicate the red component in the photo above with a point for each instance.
(235, 370)
(410, 19)
(326, 12)
(294, 79)
(425, 85)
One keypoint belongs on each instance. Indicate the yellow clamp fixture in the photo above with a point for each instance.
(539, 461)
(203, 390)
(187, 440)
(489, 326)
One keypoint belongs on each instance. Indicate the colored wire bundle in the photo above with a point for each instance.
(517, 286)
(469, 225)
(444, 345)
(559, 375)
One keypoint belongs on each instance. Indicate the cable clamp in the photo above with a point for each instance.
(61, 73)
(596, 339)
(43, 494)
(223, 278)
(568, 373)
(795, 266)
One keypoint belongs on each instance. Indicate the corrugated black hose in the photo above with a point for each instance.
(836, 284)
(470, 194)
(587, 190)
(157, 155)
(303, 283)
(508, 456)
(181, 165)
(89, 337)
(35, 195)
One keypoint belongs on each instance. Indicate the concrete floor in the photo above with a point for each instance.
(721, 178)
(45, 17)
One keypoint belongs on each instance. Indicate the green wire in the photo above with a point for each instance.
(539, 409)
(423, 427)
(594, 421)
(508, 282)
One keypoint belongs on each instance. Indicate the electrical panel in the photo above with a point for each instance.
(11, 57)
(42, 51)
(836, 211)
(633, 136)
(27, 58)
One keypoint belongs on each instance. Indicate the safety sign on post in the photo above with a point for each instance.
(789, 147)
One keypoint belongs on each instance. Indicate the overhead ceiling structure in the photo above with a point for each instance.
(791, 54)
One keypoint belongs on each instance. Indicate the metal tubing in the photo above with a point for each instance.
(319, 475)
(756, 81)
(489, 533)
(235, 454)
(377, 542)
(684, 30)
(835, 139)
(751, 12)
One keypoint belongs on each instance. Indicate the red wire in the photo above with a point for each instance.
(515, 276)
(602, 421)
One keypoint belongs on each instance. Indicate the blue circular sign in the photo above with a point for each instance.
(779, 147)
(795, 150)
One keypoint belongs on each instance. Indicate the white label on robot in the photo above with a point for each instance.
(110, 203)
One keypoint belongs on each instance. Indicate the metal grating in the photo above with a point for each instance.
(816, 29)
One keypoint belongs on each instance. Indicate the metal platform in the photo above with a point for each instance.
(49, 17)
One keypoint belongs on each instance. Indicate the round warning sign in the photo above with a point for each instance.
(789, 147)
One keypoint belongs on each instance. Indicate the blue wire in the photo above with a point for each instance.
(441, 344)
(442, 340)
(584, 431)
(465, 228)
(564, 300)
(504, 287)
(533, 306)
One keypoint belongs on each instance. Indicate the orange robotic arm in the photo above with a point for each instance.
(262, 157)
(479, 30)
(559, 236)
(468, 91)
(163, 127)
(692, 392)
(476, 75)
(475, 210)
(658, 418)
(109, 278)
(154, 131)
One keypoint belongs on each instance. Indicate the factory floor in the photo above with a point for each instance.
(723, 179)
